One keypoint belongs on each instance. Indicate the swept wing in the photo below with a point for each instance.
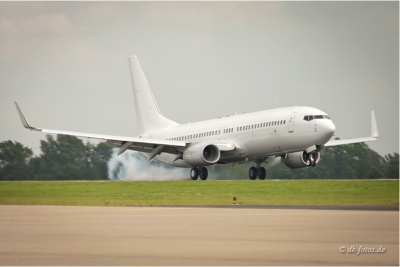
(374, 135)
(152, 146)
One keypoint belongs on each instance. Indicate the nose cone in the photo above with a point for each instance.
(327, 131)
(330, 128)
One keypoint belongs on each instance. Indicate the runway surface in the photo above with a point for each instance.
(51, 235)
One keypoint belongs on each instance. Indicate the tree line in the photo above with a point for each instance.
(63, 158)
(68, 158)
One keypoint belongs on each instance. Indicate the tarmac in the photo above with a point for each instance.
(245, 236)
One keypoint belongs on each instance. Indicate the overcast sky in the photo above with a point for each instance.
(66, 63)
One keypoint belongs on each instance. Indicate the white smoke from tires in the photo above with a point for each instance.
(132, 165)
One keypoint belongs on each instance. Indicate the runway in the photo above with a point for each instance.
(59, 235)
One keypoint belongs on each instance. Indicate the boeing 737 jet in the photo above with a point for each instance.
(295, 134)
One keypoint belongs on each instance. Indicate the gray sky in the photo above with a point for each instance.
(66, 63)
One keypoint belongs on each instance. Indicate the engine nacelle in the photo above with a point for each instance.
(201, 154)
(302, 159)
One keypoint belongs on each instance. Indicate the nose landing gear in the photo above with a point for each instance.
(312, 162)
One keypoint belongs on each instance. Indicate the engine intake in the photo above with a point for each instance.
(201, 154)
(302, 159)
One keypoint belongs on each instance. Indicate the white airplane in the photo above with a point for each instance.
(296, 134)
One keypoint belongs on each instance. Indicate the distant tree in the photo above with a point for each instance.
(68, 158)
(392, 166)
(374, 173)
(14, 158)
(349, 173)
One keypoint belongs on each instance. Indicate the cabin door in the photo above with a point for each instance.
(291, 122)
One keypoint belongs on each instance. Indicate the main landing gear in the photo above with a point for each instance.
(257, 171)
(200, 171)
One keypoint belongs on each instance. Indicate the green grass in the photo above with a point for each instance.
(115, 193)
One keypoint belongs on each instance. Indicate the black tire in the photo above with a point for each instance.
(262, 173)
(253, 173)
(203, 173)
(194, 173)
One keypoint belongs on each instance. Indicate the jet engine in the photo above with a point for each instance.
(302, 159)
(201, 154)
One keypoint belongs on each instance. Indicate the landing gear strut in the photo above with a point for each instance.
(259, 171)
(200, 171)
(312, 160)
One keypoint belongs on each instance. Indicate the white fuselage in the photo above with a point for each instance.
(259, 134)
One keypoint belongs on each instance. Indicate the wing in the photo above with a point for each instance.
(152, 146)
(374, 135)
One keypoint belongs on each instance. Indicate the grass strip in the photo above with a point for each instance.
(284, 192)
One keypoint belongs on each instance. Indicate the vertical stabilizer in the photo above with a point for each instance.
(148, 114)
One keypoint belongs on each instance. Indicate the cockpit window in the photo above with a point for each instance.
(311, 117)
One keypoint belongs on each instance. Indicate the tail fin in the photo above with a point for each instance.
(148, 114)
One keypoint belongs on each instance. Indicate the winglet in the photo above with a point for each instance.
(24, 121)
(374, 126)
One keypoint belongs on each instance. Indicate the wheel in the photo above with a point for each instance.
(313, 164)
(253, 173)
(262, 173)
(194, 173)
(203, 173)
